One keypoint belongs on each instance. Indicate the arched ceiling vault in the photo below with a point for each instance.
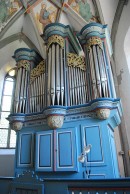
(24, 24)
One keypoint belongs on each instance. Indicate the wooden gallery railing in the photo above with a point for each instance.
(113, 186)
(59, 186)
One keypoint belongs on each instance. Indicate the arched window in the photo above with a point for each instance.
(7, 136)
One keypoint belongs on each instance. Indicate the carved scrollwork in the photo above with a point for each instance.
(94, 41)
(36, 72)
(56, 39)
(76, 61)
(24, 63)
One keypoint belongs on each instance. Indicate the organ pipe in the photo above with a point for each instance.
(56, 79)
(37, 88)
(98, 75)
(21, 86)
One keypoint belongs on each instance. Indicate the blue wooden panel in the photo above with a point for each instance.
(44, 151)
(25, 149)
(94, 176)
(65, 149)
(113, 153)
(92, 135)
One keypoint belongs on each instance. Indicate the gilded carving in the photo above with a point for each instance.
(76, 61)
(56, 39)
(36, 72)
(94, 41)
(24, 63)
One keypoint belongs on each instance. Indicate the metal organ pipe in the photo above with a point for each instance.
(102, 73)
(62, 76)
(53, 75)
(98, 75)
(49, 78)
(97, 66)
(58, 80)
(55, 71)
(77, 79)
(16, 104)
(21, 87)
(37, 88)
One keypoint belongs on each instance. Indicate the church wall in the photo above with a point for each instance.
(108, 10)
(123, 75)
(7, 162)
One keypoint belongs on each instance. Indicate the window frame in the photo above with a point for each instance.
(8, 146)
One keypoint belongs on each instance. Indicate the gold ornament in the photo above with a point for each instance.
(94, 41)
(36, 72)
(76, 61)
(55, 39)
(24, 63)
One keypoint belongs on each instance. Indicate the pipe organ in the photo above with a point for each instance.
(65, 104)
(45, 84)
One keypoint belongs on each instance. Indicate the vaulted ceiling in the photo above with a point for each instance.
(20, 26)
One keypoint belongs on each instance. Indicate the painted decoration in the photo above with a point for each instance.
(8, 8)
(45, 13)
(85, 8)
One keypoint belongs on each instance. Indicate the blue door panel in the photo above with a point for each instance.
(65, 149)
(92, 135)
(25, 156)
(44, 151)
(113, 152)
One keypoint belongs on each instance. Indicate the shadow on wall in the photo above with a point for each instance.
(7, 165)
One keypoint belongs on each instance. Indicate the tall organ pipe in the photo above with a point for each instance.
(49, 77)
(62, 76)
(55, 75)
(98, 75)
(58, 80)
(21, 87)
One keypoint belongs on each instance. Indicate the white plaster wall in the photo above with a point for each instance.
(127, 48)
(31, 31)
(108, 10)
(15, 28)
(7, 157)
(122, 70)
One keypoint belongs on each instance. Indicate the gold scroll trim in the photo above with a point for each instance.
(23, 63)
(37, 71)
(76, 61)
(94, 41)
(55, 39)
